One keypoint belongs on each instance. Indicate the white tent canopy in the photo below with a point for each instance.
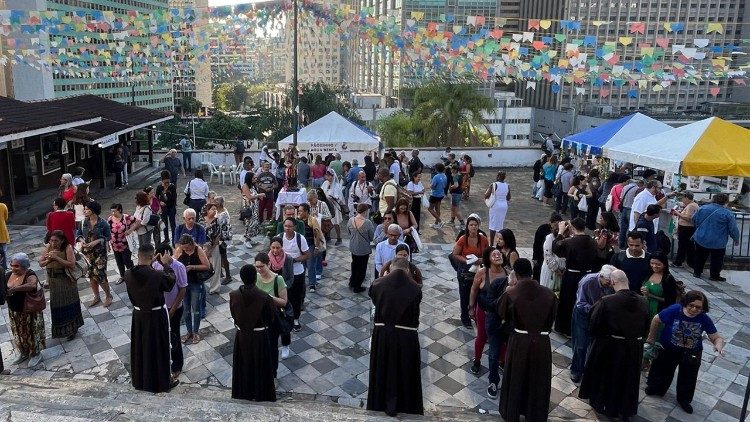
(333, 133)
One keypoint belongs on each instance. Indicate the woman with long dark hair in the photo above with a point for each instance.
(660, 288)
(64, 302)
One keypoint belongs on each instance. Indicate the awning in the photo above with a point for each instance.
(710, 147)
(20, 119)
(613, 133)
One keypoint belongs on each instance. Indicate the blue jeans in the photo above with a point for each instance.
(313, 262)
(495, 340)
(581, 341)
(187, 160)
(624, 223)
(194, 295)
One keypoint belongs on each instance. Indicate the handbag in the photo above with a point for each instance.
(186, 201)
(417, 239)
(204, 275)
(153, 220)
(491, 200)
(326, 226)
(583, 204)
(286, 314)
(81, 267)
(34, 301)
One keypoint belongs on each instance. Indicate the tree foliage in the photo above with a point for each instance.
(237, 95)
(444, 114)
(190, 105)
(318, 99)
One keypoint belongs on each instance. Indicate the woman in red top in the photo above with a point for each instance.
(66, 190)
(318, 171)
(61, 219)
(471, 243)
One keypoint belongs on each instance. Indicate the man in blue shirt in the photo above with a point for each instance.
(645, 225)
(714, 224)
(187, 154)
(438, 185)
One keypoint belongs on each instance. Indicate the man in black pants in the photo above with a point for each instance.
(173, 301)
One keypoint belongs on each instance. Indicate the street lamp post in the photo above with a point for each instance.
(295, 82)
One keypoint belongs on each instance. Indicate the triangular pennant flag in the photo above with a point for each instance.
(545, 24)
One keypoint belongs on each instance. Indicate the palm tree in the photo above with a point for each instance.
(448, 112)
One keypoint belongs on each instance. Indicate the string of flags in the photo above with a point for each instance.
(168, 42)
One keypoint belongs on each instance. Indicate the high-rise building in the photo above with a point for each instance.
(192, 75)
(6, 83)
(660, 19)
(376, 68)
(32, 82)
(319, 53)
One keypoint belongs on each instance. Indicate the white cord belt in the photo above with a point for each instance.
(156, 308)
(624, 338)
(402, 327)
(254, 329)
(543, 333)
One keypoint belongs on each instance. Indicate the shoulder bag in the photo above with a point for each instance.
(491, 200)
(81, 267)
(34, 301)
(186, 201)
(286, 314)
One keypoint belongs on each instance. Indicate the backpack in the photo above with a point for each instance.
(401, 192)
(471, 170)
(622, 198)
(663, 243)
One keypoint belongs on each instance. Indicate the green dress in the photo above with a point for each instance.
(654, 289)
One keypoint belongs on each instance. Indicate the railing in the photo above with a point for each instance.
(741, 251)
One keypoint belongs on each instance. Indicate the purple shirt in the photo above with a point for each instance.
(180, 275)
(590, 290)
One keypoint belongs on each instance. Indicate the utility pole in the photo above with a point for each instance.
(295, 82)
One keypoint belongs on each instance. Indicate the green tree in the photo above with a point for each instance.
(169, 133)
(318, 99)
(449, 113)
(230, 96)
(221, 129)
(399, 130)
(190, 105)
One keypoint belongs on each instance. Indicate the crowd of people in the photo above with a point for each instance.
(600, 277)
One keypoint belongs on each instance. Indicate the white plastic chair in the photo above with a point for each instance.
(233, 174)
(212, 171)
(224, 172)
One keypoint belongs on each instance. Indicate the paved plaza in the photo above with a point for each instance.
(330, 356)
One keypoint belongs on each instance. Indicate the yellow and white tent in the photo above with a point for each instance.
(710, 147)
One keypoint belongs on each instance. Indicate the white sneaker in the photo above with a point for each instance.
(318, 276)
(284, 352)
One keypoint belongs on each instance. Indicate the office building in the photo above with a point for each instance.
(618, 17)
(377, 69)
(319, 53)
(152, 90)
(6, 83)
(192, 75)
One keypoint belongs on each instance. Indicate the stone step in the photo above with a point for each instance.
(27, 399)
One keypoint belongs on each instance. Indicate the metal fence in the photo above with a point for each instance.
(741, 251)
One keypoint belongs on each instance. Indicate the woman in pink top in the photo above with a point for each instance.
(318, 171)
(155, 208)
(616, 192)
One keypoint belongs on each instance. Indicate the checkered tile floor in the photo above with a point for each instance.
(330, 355)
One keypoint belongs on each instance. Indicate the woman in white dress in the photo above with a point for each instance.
(332, 190)
(552, 266)
(416, 189)
(499, 208)
(359, 192)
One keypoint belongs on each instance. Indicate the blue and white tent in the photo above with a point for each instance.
(614, 133)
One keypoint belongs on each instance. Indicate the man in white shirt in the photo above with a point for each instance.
(395, 169)
(386, 250)
(643, 200)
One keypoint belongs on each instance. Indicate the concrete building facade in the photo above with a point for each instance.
(192, 77)
(37, 83)
(378, 69)
(679, 97)
(319, 53)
